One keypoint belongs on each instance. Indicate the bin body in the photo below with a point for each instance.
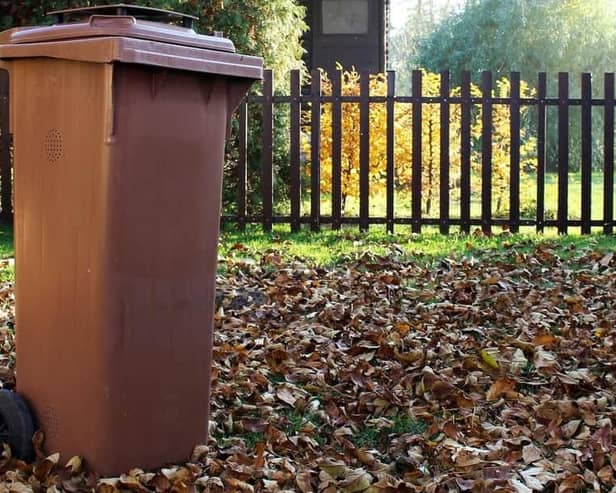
(118, 175)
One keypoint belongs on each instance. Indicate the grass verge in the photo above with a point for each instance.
(328, 247)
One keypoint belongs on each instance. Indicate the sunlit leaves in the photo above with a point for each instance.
(431, 127)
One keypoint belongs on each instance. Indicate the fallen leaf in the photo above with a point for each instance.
(501, 387)
(547, 340)
(74, 464)
(357, 480)
(285, 395)
(303, 481)
(336, 469)
(531, 453)
(489, 358)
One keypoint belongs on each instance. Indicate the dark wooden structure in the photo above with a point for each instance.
(350, 32)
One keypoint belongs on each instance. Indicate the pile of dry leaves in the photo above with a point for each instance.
(383, 375)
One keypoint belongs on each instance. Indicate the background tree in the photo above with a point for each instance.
(431, 140)
(268, 28)
(423, 16)
(431, 145)
(350, 123)
(529, 36)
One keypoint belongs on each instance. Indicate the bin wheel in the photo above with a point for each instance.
(16, 424)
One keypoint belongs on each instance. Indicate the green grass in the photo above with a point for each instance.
(7, 251)
(253, 437)
(368, 437)
(6, 241)
(574, 191)
(372, 437)
(528, 195)
(297, 420)
(329, 247)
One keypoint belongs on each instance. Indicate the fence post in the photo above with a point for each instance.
(417, 151)
(267, 149)
(295, 192)
(514, 163)
(608, 157)
(315, 151)
(465, 152)
(563, 152)
(391, 155)
(541, 124)
(242, 165)
(444, 157)
(6, 182)
(586, 164)
(336, 150)
(364, 151)
(486, 152)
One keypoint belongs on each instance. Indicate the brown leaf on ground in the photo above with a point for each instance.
(503, 387)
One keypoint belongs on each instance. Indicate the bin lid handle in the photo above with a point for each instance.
(137, 11)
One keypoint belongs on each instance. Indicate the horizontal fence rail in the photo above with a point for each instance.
(448, 154)
(528, 115)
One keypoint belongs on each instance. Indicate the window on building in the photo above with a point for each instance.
(345, 16)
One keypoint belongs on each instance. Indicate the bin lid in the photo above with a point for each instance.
(130, 21)
(138, 11)
(130, 34)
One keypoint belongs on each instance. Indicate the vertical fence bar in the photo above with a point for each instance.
(444, 155)
(514, 163)
(364, 151)
(417, 151)
(267, 147)
(242, 166)
(608, 155)
(586, 152)
(465, 153)
(486, 152)
(336, 150)
(295, 191)
(6, 194)
(391, 142)
(563, 152)
(541, 123)
(315, 151)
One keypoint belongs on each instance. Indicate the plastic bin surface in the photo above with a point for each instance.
(118, 152)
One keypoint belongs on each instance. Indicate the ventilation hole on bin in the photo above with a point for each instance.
(53, 145)
(50, 422)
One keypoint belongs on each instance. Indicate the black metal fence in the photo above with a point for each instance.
(305, 111)
(304, 103)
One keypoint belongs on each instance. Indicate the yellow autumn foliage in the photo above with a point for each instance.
(501, 142)
(403, 151)
(350, 124)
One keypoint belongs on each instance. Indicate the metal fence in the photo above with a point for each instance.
(306, 110)
(305, 104)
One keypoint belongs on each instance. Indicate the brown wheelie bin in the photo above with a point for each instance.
(119, 117)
